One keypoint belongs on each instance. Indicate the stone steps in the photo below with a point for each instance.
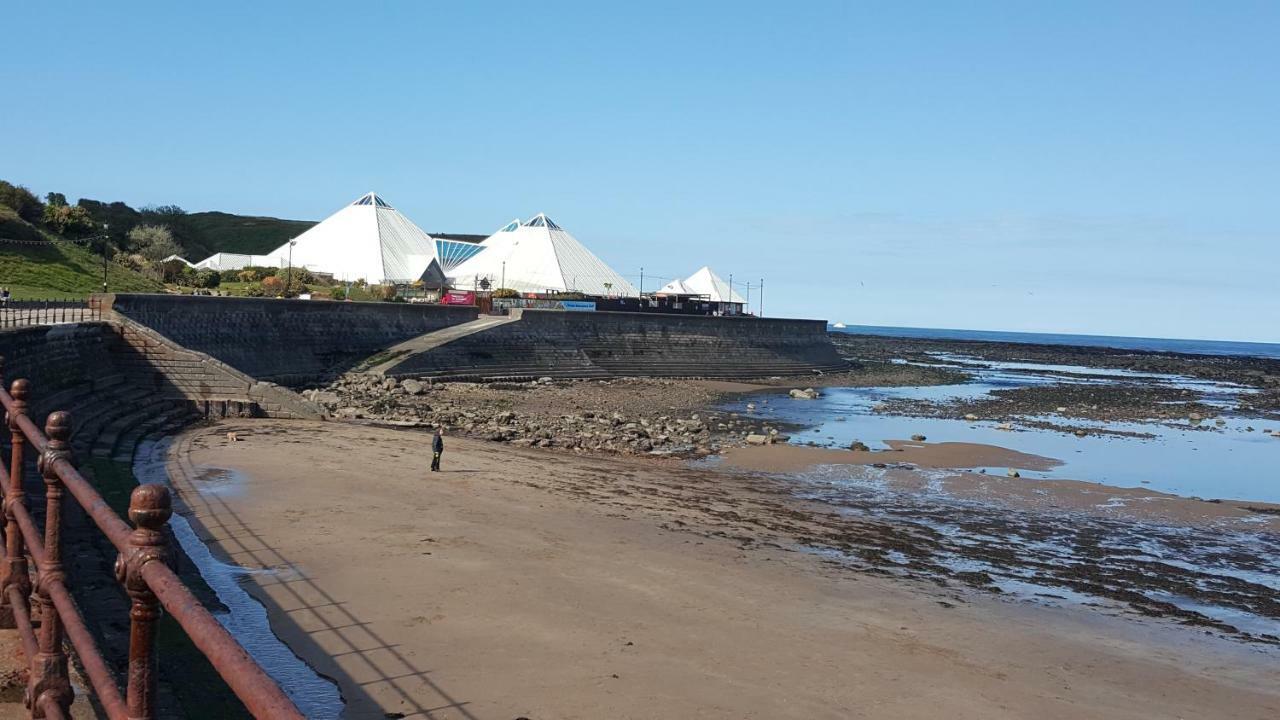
(105, 443)
(127, 443)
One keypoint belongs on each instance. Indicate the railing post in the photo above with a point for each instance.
(50, 682)
(15, 565)
(149, 508)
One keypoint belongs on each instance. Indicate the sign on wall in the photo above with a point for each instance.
(578, 305)
(458, 297)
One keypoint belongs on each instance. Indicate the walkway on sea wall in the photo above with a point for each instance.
(553, 343)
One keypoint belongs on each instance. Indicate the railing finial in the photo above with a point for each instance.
(50, 682)
(150, 507)
(20, 389)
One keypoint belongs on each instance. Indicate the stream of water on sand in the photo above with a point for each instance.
(245, 618)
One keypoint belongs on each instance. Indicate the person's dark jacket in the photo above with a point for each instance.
(437, 443)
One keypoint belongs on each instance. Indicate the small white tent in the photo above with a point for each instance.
(713, 287)
(368, 240)
(675, 288)
(539, 256)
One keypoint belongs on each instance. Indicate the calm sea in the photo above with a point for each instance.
(1197, 347)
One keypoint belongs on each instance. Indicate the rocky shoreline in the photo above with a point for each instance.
(1131, 401)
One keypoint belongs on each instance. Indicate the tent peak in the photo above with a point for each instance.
(541, 220)
(372, 198)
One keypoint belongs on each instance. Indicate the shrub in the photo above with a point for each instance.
(254, 290)
(248, 275)
(208, 279)
(229, 275)
(387, 292)
(154, 242)
(23, 201)
(273, 286)
(505, 293)
(70, 220)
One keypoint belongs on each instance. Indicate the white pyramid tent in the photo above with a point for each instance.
(368, 240)
(705, 282)
(676, 288)
(539, 256)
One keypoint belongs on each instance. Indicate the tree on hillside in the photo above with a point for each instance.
(23, 201)
(153, 242)
(162, 210)
(69, 220)
(57, 199)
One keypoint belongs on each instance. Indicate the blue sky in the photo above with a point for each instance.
(1104, 167)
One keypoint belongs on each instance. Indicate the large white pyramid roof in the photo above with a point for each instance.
(706, 282)
(368, 240)
(539, 256)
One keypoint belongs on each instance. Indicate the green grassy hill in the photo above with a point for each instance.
(54, 268)
(212, 232)
(200, 234)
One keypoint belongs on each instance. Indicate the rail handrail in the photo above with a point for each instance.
(144, 567)
(27, 313)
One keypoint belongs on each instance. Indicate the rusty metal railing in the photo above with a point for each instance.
(144, 567)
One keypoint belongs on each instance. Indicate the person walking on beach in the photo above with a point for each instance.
(437, 449)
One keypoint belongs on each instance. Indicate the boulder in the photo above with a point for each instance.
(806, 394)
(918, 438)
(1013, 473)
(754, 439)
(970, 417)
(413, 387)
(859, 446)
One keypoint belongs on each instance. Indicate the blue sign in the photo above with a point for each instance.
(578, 305)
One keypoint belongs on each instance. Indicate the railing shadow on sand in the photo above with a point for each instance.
(301, 609)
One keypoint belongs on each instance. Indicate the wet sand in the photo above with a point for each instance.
(789, 458)
(538, 584)
(1039, 494)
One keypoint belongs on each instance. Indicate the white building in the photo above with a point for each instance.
(233, 261)
(367, 240)
(538, 256)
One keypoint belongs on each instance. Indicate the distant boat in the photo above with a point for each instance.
(839, 326)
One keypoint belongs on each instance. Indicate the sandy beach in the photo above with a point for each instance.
(532, 583)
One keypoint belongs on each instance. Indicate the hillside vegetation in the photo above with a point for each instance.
(197, 235)
(54, 268)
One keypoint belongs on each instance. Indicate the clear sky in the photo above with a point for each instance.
(1108, 167)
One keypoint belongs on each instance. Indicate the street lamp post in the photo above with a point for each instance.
(288, 273)
(106, 244)
(504, 273)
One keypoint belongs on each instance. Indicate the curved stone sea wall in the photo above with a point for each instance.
(291, 342)
(305, 342)
(613, 344)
